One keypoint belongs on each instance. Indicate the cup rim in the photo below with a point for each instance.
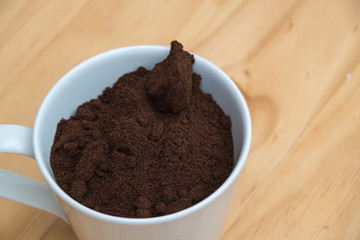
(152, 220)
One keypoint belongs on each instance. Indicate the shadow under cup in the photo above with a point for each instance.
(86, 81)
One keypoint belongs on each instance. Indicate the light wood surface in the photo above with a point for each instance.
(297, 63)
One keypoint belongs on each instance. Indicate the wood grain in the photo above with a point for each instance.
(297, 63)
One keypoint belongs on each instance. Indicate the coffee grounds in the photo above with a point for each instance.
(152, 144)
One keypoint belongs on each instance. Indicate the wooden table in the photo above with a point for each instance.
(297, 63)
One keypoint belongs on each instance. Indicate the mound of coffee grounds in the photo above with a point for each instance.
(152, 144)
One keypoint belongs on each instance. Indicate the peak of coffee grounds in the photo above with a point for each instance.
(169, 84)
(152, 144)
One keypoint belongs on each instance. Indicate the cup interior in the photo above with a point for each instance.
(87, 80)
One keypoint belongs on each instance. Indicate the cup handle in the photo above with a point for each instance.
(18, 139)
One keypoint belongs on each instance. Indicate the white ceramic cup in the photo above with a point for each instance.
(203, 221)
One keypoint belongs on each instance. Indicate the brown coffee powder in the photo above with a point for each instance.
(151, 145)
